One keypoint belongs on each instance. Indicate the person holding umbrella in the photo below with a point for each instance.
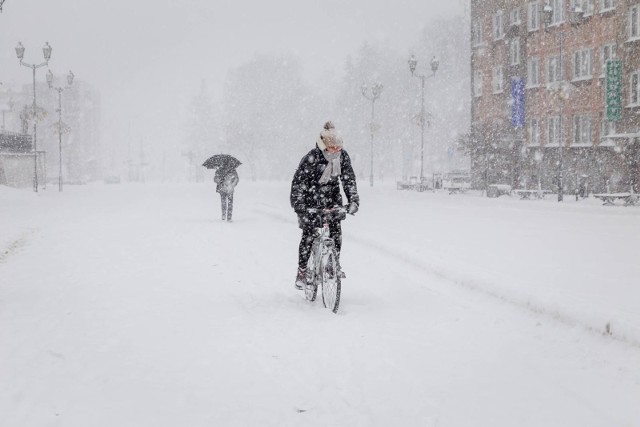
(226, 179)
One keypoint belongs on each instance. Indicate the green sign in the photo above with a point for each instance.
(613, 92)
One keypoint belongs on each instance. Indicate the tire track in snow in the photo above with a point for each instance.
(15, 246)
(484, 288)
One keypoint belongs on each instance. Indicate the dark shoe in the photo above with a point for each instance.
(301, 279)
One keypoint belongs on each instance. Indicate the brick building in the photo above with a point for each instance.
(540, 92)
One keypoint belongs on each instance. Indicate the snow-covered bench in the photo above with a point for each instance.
(609, 199)
(528, 194)
(413, 184)
(497, 190)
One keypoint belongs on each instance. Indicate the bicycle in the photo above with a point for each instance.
(323, 266)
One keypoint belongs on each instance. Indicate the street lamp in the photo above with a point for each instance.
(59, 90)
(46, 51)
(413, 63)
(372, 94)
(562, 90)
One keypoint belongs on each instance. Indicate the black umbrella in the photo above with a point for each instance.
(224, 161)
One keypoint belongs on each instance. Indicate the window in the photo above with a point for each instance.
(514, 51)
(533, 21)
(553, 130)
(586, 6)
(634, 21)
(608, 128)
(477, 83)
(514, 17)
(476, 32)
(558, 11)
(634, 89)
(606, 5)
(498, 26)
(498, 79)
(582, 64)
(554, 69)
(534, 132)
(533, 72)
(582, 130)
(608, 54)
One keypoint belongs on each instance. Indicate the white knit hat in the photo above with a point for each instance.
(329, 137)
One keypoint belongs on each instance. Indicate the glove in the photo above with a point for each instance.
(353, 208)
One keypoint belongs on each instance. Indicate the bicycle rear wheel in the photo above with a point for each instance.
(331, 282)
(311, 288)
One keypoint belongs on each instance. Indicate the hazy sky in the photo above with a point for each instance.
(147, 57)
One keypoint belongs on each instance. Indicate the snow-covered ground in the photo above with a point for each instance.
(134, 305)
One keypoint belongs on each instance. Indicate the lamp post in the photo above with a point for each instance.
(59, 90)
(413, 63)
(372, 94)
(46, 51)
(547, 16)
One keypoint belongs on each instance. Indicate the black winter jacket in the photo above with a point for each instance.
(226, 180)
(307, 192)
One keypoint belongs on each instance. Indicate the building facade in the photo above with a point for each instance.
(556, 94)
(80, 142)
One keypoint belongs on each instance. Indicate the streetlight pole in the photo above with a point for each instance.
(560, 146)
(376, 90)
(46, 51)
(59, 90)
(547, 14)
(413, 62)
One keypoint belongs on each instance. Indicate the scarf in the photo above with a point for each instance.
(333, 168)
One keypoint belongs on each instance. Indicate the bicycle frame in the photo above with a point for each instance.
(323, 265)
(322, 246)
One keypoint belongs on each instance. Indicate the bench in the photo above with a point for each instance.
(609, 199)
(413, 184)
(455, 189)
(403, 185)
(528, 194)
(497, 190)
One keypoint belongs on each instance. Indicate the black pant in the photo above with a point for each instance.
(335, 232)
(226, 201)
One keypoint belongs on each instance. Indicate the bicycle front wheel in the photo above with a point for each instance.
(311, 287)
(331, 282)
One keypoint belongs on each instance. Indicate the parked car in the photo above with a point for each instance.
(456, 181)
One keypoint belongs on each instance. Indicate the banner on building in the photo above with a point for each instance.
(613, 91)
(517, 102)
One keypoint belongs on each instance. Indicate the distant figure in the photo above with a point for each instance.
(582, 187)
(226, 180)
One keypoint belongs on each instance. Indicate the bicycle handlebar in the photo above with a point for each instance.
(334, 210)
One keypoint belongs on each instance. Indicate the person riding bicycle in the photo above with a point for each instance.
(316, 184)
